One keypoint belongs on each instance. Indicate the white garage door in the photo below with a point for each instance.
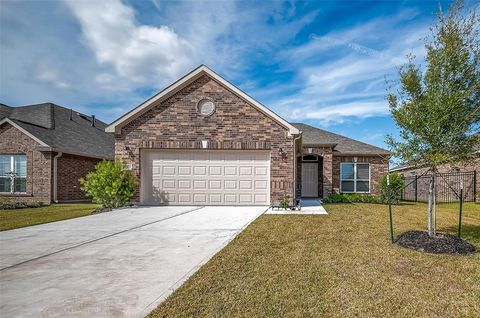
(206, 177)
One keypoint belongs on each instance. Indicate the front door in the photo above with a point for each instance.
(310, 179)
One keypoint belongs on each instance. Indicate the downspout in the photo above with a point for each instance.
(295, 167)
(55, 177)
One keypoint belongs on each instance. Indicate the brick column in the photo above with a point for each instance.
(327, 174)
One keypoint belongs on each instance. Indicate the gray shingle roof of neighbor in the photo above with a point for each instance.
(51, 124)
(341, 144)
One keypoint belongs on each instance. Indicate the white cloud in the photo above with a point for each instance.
(142, 53)
(351, 84)
(336, 114)
(47, 72)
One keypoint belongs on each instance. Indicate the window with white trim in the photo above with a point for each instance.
(13, 173)
(354, 177)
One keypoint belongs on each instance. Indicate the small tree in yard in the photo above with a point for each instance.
(391, 191)
(110, 184)
(438, 109)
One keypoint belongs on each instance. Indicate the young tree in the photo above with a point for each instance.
(437, 108)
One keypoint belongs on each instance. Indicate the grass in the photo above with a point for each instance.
(13, 219)
(340, 265)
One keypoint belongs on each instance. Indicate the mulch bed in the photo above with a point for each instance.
(440, 244)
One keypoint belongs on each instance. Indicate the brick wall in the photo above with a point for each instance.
(378, 168)
(70, 168)
(13, 141)
(176, 124)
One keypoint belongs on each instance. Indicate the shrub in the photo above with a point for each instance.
(9, 204)
(110, 184)
(5, 204)
(351, 198)
(393, 191)
(285, 202)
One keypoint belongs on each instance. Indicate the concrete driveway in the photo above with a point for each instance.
(115, 264)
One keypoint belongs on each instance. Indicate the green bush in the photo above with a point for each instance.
(351, 198)
(285, 202)
(9, 204)
(393, 191)
(110, 184)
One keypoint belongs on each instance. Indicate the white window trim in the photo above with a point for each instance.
(12, 168)
(355, 177)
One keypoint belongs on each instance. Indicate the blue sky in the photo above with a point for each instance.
(323, 62)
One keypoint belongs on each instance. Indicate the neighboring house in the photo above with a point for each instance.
(45, 149)
(202, 141)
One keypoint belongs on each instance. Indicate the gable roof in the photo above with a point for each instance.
(341, 144)
(51, 127)
(182, 83)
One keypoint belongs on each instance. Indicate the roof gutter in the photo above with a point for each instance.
(50, 149)
(55, 177)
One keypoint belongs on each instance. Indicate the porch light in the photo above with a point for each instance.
(280, 151)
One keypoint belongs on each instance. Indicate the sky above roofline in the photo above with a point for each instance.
(324, 63)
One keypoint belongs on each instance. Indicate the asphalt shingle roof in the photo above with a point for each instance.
(316, 136)
(51, 124)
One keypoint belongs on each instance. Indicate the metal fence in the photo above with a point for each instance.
(447, 187)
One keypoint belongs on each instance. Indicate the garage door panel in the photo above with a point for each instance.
(206, 177)
(245, 184)
(200, 198)
(215, 198)
(200, 171)
(230, 184)
(261, 171)
(261, 185)
(185, 184)
(246, 198)
(261, 199)
(184, 198)
(168, 184)
(230, 171)
(230, 198)
(199, 184)
(245, 170)
(184, 171)
(215, 170)
(215, 184)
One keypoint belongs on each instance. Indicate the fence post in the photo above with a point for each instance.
(416, 196)
(460, 212)
(389, 198)
(475, 186)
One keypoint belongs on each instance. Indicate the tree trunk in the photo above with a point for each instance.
(430, 201)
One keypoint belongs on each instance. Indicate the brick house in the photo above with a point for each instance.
(204, 141)
(45, 149)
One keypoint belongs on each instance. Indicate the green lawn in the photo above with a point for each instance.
(12, 219)
(340, 265)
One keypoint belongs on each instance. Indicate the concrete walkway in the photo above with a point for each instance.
(115, 264)
(307, 206)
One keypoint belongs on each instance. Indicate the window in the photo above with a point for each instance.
(13, 173)
(354, 177)
(310, 158)
(206, 107)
